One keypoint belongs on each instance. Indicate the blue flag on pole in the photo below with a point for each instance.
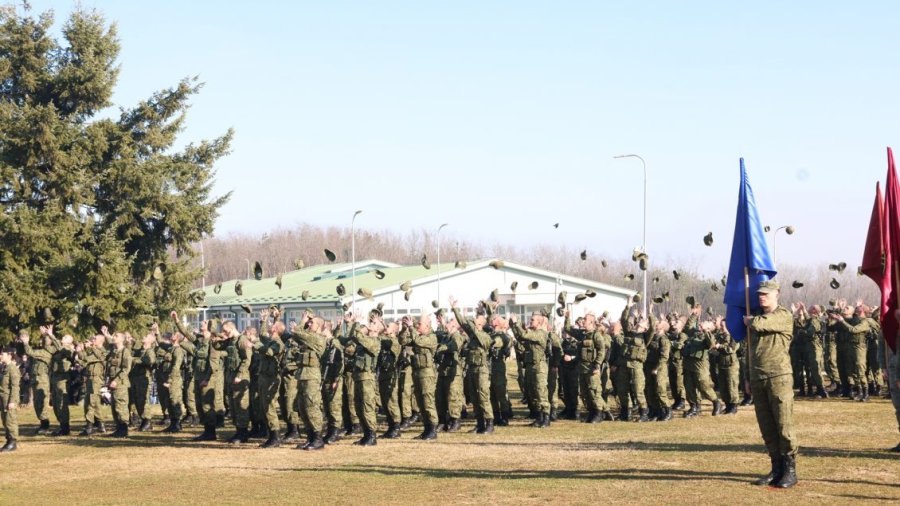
(749, 251)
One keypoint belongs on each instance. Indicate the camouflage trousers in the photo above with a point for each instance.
(405, 396)
(815, 364)
(92, 388)
(364, 400)
(773, 401)
(240, 403)
(591, 391)
(499, 395)
(332, 401)
(630, 381)
(857, 363)
(120, 405)
(697, 384)
(172, 396)
(10, 419)
(140, 389)
(309, 403)
(676, 380)
(289, 397)
(424, 388)
(448, 396)
(479, 378)
(536, 388)
(59, 397)
(728, 383)
(657, 389)
(387, 391)
(349, 405)
(874, 351)
(268, 399)
(41, 397)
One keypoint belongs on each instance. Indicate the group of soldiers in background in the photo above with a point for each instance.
(333, 378)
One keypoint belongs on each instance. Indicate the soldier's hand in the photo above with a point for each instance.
(166, 385)
(747, 320)
(596, 372)
(453, 302)
(174, 315)
(112, 385)
(237, 380)
(11, 406)
(23, 339)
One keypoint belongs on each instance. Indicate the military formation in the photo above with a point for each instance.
(320, 381)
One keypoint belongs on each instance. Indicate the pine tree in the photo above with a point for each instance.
(99, 214)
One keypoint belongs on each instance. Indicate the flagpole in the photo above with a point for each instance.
(747, 308)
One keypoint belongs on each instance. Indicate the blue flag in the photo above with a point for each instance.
(749, 251)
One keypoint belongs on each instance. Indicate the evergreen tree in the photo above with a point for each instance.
(98, 214)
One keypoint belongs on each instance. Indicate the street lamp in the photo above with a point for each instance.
(644, 247)
(439, 262)
(788, 229)
(353, 257)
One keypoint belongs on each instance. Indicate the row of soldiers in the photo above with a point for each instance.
(332, 379)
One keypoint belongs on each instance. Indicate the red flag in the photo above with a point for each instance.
(873, 254)
(891, 239)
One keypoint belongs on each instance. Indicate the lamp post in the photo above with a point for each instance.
(353, 257)
(644, 246)
(439, 262)
(788, 229)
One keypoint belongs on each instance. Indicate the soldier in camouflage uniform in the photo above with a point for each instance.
(351, 420)
(697, 383)
(725, 349)
(568, 368)
(677, 338)
(592, 356)
(62, 355)
(40, 378)
(118, 364)
(288, 394)
(853, 327)
(171, 358)
(656, 373)
(554, 359)
(92, 358)
(310, 337)
(770, 334)
(501, 346)
(237, 376)
(143, 359)
(478, 346)
(449, 394)
(627, 356)
(368, 344)
(9, 398)
(270, 349)
(332, 387)
(533, 342)
(424, 344)
(813, 333)
(386, 365)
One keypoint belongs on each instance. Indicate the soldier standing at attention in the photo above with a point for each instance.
(170, 372)
(40, 378)
(479, 366)
(9, 398)
(534, 343)
(592, 353)
(311, 345)
(770, 336)
(423, 342)
(62, 352)
(448, 396)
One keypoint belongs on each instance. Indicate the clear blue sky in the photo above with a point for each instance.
(502, 118)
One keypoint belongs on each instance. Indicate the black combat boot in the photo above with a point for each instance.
(624, 414)
(552, 414)
(488, 426)
(666, 416)
(428, 434)
(774, 475)
(501, 422)
(87, 431)
(368, 439)
(317, 443)
(274, 440)
(259, 430)
(479, 425)
(176, 428)
(310, 436)
(717, 407)
(692, 411)
(99, 428)
(788, 472)
(747, 400)
(455, 424)
(414, 418)
(62, 431)
(802, 391)
(863, 394)
(731, 408)
(679, 404)
(237, 437)
(220, 421)
(405, 423)
(292, 433)
(643, 415)
(821, 393)
(121, 430)
(354, 429)
(10, 446)
(43, 429)
(845, 391)
(208, 434)
(608, 416)
(593, 416)
(146, 425)
(393, 431)
(331, 435)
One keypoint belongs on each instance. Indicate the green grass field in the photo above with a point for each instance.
(705, 460)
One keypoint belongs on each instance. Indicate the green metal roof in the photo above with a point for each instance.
(320, 281)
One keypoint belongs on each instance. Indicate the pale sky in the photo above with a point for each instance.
(502, 118)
